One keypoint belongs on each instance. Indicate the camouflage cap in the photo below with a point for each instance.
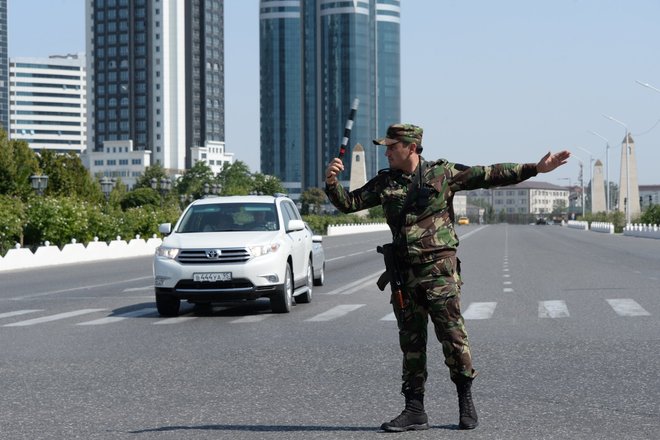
(401, 132)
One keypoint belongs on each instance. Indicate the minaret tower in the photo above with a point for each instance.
(598, 188)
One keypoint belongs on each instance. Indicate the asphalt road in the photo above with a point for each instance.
(564, 326)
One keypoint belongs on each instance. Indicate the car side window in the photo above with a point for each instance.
(286, 214)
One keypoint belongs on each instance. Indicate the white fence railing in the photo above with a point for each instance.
(639, 230)
(23, 258)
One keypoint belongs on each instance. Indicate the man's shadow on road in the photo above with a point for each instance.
(275, 428)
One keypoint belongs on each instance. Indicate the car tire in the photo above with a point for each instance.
(306, 297)
(320, 280)
(282, 301)
(167, 305)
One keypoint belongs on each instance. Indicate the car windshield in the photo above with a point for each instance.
(226, 217)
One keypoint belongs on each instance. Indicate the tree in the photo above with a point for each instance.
(67, 176)
(154, 171)
(192, 182)
(651, 216)
(235, 179)
(265, 184)
(17, 163)
(140, 197)
(311, 200)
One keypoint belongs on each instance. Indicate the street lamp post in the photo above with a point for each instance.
(39, 183)
(568, 208)
(591, 177)
(607, 171)
(627, 167)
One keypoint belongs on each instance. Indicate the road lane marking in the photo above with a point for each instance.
(73, 289)
(507, 290)
(480, 310)
(120, 317)
(627, 307)
(335, 312)
(19, 313)
(137, 289)
(251, 318)
(53, 317)
(553, 309)
(355, 285)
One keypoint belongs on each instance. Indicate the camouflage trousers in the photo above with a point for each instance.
(432, 290)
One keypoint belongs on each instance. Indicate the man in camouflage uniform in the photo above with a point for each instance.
(425, 243)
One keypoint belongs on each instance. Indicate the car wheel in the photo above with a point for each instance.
(167, 305)
(307, 296)
(318, 281)
(282, 301)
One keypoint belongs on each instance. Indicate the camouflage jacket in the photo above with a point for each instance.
(427, 231)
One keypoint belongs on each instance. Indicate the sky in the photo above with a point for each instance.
(489, 81)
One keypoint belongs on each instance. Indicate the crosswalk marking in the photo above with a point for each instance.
(335, 312)
(389, 317)
(480, 310)
(177, 320)
(251, 318)
(52, 317)
(553, 309)
(18, 313)
(627, 307)
(353, 287)
(120, 317)
(507, 290)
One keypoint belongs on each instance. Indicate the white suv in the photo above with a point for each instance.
(235, 248)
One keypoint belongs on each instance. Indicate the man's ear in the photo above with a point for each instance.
(413, 147)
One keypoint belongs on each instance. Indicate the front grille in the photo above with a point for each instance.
(213, 256)
(217, 285)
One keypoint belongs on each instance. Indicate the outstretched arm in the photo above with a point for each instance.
(551, 161)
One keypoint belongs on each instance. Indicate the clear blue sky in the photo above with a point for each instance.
(490, 81)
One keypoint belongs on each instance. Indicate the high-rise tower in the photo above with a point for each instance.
(316, 57)
(4, 68)
(156, 78)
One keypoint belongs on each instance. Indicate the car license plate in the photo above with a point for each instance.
(212, 276)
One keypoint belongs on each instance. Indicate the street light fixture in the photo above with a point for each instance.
(627, 167)
(607, 170)
(647, 85)
(107, 185)
(39, 183)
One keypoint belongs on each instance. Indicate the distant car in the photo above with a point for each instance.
(237, 248)
(541, 221)
(463, 220)
(318, 258)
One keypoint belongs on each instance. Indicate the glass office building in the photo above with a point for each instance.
(317, 56)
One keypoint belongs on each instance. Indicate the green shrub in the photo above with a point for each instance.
(12, 217)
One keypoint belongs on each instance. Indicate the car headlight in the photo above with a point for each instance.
(263, 249)
(167, 252)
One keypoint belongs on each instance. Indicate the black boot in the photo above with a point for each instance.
(467, 413)
(412, 418)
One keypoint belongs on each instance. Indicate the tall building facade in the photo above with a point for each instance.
(4, 68)
(316, 57)
(156, 75)
(48, 102)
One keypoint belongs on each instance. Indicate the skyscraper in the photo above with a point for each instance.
(4, 68)
(156, 79)
(316, 57)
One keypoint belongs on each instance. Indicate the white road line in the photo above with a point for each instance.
(355, 285)
(335, 312)
(177, 320)
(137, 289)
(18, 313)
(120, 317)
(480, 310)
(507, 290)
(506, 275)
(390, 317)
(73, 289)
(252, 318)
(350, 255)
(506, 283)
(553, 309)
(53, 317)
(627, 307)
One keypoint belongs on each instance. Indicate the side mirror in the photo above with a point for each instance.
(317, 239)
(295, 225)
(165, 228)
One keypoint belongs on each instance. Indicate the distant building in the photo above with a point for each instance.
(4, 72)
(530, 197)
(156, 76)
(48, 105)
(316, 56)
